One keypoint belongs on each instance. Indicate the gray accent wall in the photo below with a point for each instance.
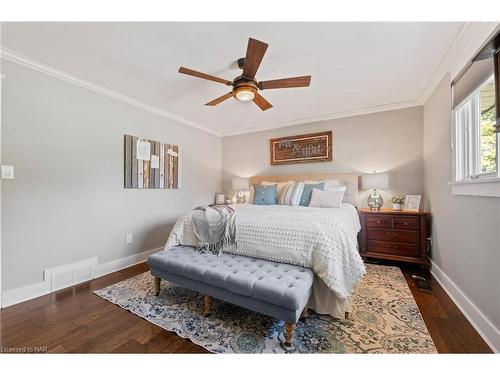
(67, 202)
(466, 229)
(386, 142)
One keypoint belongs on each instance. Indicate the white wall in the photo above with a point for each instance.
(386, 141)
(466, 229)
(67, 202)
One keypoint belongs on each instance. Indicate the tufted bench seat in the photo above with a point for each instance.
(275, 289)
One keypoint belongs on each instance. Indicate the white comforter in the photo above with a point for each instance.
(323, 239)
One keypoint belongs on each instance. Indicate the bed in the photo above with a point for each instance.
(323, 239)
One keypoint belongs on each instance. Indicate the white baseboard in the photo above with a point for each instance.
(479, 321)
(24, 293)
(27, 292)
(121, 263)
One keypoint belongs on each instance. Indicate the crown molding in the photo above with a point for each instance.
(330, 116)
(17, 58)
(469, 40)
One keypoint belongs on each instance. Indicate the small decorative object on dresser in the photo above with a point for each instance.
(412, 202)
(397, 202)
(394, 235)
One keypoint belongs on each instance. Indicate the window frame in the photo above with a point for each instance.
(467, 147)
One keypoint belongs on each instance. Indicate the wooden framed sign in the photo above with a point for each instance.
(305, 148)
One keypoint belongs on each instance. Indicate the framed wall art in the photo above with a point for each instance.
(304, 148)
(150, 164)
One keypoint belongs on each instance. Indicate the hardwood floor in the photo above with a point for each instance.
(77, 321)
(448, 327)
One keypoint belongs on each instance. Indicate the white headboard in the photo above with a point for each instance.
(348, 179)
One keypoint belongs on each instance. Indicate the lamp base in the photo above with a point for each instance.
(241, 198)
(375, 201)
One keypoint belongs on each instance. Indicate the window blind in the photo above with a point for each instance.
(477, 73)
(490, 51)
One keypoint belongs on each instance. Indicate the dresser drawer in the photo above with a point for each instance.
(392, 235)
(405, 223)
(394, 248)
(380, 221)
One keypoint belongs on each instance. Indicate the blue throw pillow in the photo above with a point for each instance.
(305, 198)
(265, 195)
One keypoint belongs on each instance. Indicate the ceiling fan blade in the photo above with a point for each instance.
(285, 83)
(255, 53)
(194, 73)
(220, 99)
(261, 102)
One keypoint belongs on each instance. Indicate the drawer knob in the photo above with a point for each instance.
(405, 223)
(378, 221)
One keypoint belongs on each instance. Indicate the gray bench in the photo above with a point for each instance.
(274, 289)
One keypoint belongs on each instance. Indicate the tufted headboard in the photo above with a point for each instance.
(348, 179)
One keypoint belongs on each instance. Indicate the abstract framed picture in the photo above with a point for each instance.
(150, 164)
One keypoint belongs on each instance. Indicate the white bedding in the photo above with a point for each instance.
(323, 239)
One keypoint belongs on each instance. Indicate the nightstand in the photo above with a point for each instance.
(394, 235)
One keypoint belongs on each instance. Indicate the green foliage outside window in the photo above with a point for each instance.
(488, 142)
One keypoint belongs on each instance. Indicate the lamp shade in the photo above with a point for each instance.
(240, 183)
(375, 181)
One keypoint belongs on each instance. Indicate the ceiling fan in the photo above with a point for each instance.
(245, 86)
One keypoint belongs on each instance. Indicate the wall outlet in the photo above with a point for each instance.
(7, 172)
(130, 238)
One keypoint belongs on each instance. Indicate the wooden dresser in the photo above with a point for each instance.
(394, 235)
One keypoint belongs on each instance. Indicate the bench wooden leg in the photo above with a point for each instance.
(289, 331)
(347, 315)
(208, 305)
(157, 285)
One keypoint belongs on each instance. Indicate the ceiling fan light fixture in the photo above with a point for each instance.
(245, 94)
(245, 87)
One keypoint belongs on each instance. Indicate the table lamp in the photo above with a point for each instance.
(240, 185)
(375, 181)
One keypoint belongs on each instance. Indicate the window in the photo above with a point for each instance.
(476, 142)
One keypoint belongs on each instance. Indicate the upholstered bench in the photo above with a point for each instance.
(274, 289)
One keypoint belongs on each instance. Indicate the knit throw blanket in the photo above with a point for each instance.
(214, 227)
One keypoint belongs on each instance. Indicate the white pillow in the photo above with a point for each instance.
(326, 199)
(331, 184)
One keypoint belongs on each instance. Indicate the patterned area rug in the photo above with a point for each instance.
(385, 319)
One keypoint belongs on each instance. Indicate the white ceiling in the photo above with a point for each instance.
(355, 67)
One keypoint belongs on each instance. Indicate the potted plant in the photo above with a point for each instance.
(397, 202)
